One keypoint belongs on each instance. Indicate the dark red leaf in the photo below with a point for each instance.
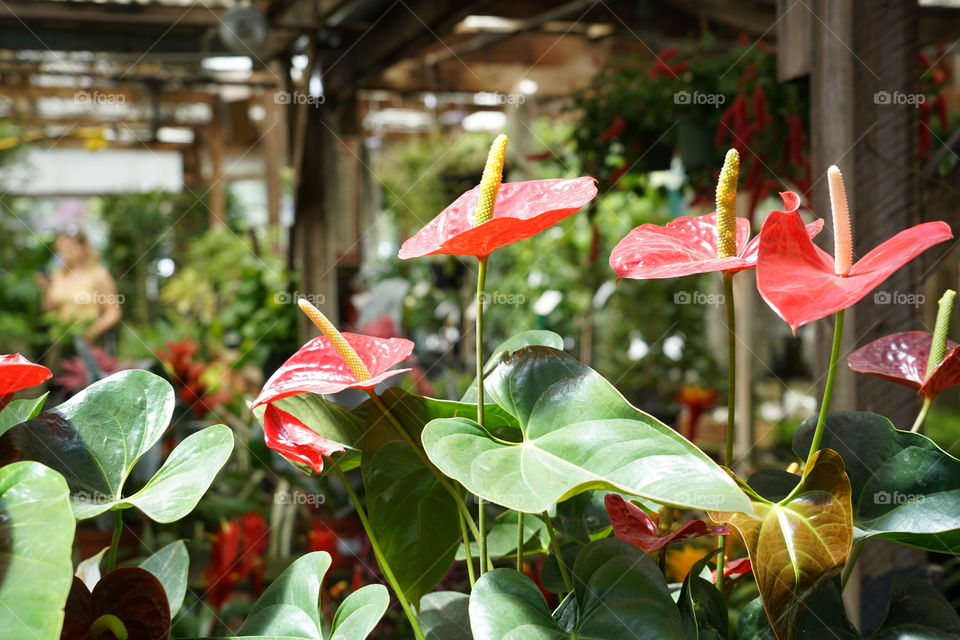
(632, 524)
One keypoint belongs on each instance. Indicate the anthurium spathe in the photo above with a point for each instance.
(291, 438)
(521, 209)
(16, 373)
(688, 245)
(320, 366)
(632, 524)
(902, 357)
(803, 283)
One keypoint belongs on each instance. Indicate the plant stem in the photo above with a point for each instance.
(378, 554)
(556, 550)
(115, 540)
(927, 401)
(481, 506)
(828, 389)
(851, 561)
(731, 402)
(520, 541)
(442, 479)
(467, 551)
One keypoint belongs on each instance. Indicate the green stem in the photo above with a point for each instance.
(567, 582)
(828, 389)
(481, 506)
(927, 401)
(731, 402)
(378, 554)
(115, 540)
(851, 561)
(467, 551)
(520, 541)
(664, 524)
(442, 479)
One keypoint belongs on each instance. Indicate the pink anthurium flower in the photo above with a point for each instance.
(632, 524)
(688, 245)
(16, 373)
(521, 209)
(902, 358)
(803, 283)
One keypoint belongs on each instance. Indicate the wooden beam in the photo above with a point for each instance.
(217, 189)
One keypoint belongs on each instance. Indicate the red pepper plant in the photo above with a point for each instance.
(543, 486)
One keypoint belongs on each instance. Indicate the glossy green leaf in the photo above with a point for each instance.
(186, 475)
(171, 566)
(702, 607)
(290, 606)
(502, 537)
(413, 516)
(96, 437)
(19, 411)
(795, 545)
(619, 591)
(905, 487)
(534, 337)
(579, 434)
(917, 611)
(445, 615)
(36, 540)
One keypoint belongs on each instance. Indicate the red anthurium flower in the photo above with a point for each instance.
(16, 373)
(631, 524)
(294, 440)
(803, 283)
(317, 367)
(688, 245)
(521, 209)
(902, 357)
(738, 567)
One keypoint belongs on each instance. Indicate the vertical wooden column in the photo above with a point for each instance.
(863, 62)
(274, 148)
(216, 143)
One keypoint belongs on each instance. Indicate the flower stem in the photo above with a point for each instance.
(927, 401)
(828, 389)
(115, 540)
(442, 479)
(731, 403)
(467, 551)
(378, 554)
(481, 503)
(520, 541)
(567, 582)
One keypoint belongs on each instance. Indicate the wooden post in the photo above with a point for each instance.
(274, 149)
(216, 189)
(863, 63)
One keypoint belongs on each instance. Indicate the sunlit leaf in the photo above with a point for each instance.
(171, 565)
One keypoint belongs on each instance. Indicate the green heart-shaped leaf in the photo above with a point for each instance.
(579, 434)
(800, 542)
(96, 437)
(445, 615)
(619, 593)
(905, 487)
(171, 566)
(917, 611)
(19, 411)
(290, 606)
(36, 540)
(502, 537)
(412, 514)
(702, 607)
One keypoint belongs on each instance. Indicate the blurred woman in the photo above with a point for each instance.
(81, 292)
